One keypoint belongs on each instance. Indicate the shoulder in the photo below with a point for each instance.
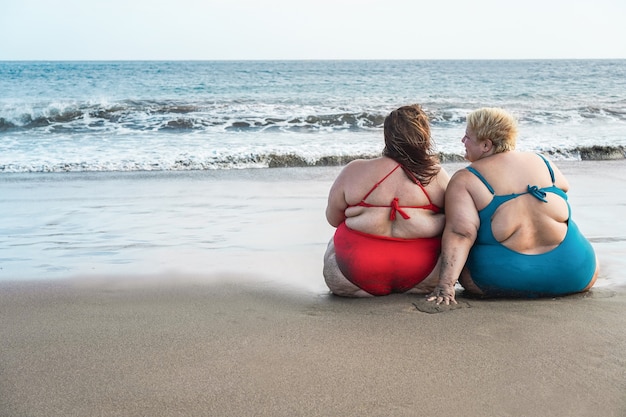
(358, 164)
(559, 179)
(461, 183)
(442, 177)
(507, 164)
(354, 166)
(470, 182)
(441, 171)
(459, 197)
(355, 171)
(462, 176)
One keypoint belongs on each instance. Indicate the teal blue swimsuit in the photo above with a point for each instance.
(498, 270)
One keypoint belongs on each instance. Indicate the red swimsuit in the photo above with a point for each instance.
(381, 265)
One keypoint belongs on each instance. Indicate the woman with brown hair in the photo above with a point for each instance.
(388, 212)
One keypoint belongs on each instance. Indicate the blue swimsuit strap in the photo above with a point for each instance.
(549, 167)
(555, 189)
(534, 190)
(480, 177)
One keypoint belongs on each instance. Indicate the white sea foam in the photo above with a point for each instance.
(220, 115)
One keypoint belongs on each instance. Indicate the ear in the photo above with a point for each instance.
(487, 145)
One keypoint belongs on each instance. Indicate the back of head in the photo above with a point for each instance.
(494, 124)
(408, 142)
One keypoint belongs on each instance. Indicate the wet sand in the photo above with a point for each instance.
(249, 329)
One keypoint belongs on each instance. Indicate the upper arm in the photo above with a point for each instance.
(462, 222)
(336, 206)
(461, 214)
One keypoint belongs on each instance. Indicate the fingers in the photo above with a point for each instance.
(439, 296)
(446, 301)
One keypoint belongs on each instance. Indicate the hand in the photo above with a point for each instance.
(442, 294)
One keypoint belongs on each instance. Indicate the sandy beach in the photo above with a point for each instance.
(200, 294)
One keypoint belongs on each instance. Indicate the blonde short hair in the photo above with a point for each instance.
(495, 124)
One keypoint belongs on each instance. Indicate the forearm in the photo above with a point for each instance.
(455, 250)
(462, 224)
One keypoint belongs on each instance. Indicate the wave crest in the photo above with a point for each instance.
(154, 115)
(279, 160)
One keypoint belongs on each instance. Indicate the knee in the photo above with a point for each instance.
(337, 283)
(335, 279)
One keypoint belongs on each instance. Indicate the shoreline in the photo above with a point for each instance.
(294, 160)
(225, 222)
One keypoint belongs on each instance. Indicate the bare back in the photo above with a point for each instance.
(357, 180)
(524, 224)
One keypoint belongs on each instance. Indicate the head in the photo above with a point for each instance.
(494, 130)
(408, 141)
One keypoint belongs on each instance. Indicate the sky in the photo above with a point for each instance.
(306, 29)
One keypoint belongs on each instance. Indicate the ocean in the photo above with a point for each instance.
(206, 115)
(221, 170)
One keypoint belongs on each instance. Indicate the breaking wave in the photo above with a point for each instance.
(150, 115)
(277, 160)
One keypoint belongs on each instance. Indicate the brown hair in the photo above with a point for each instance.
(408, 142)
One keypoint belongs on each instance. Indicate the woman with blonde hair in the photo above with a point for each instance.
(509, 230)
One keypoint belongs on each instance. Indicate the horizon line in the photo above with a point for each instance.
(293, 59)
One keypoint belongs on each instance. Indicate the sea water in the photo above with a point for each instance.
(200, 115)
(135, 168)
